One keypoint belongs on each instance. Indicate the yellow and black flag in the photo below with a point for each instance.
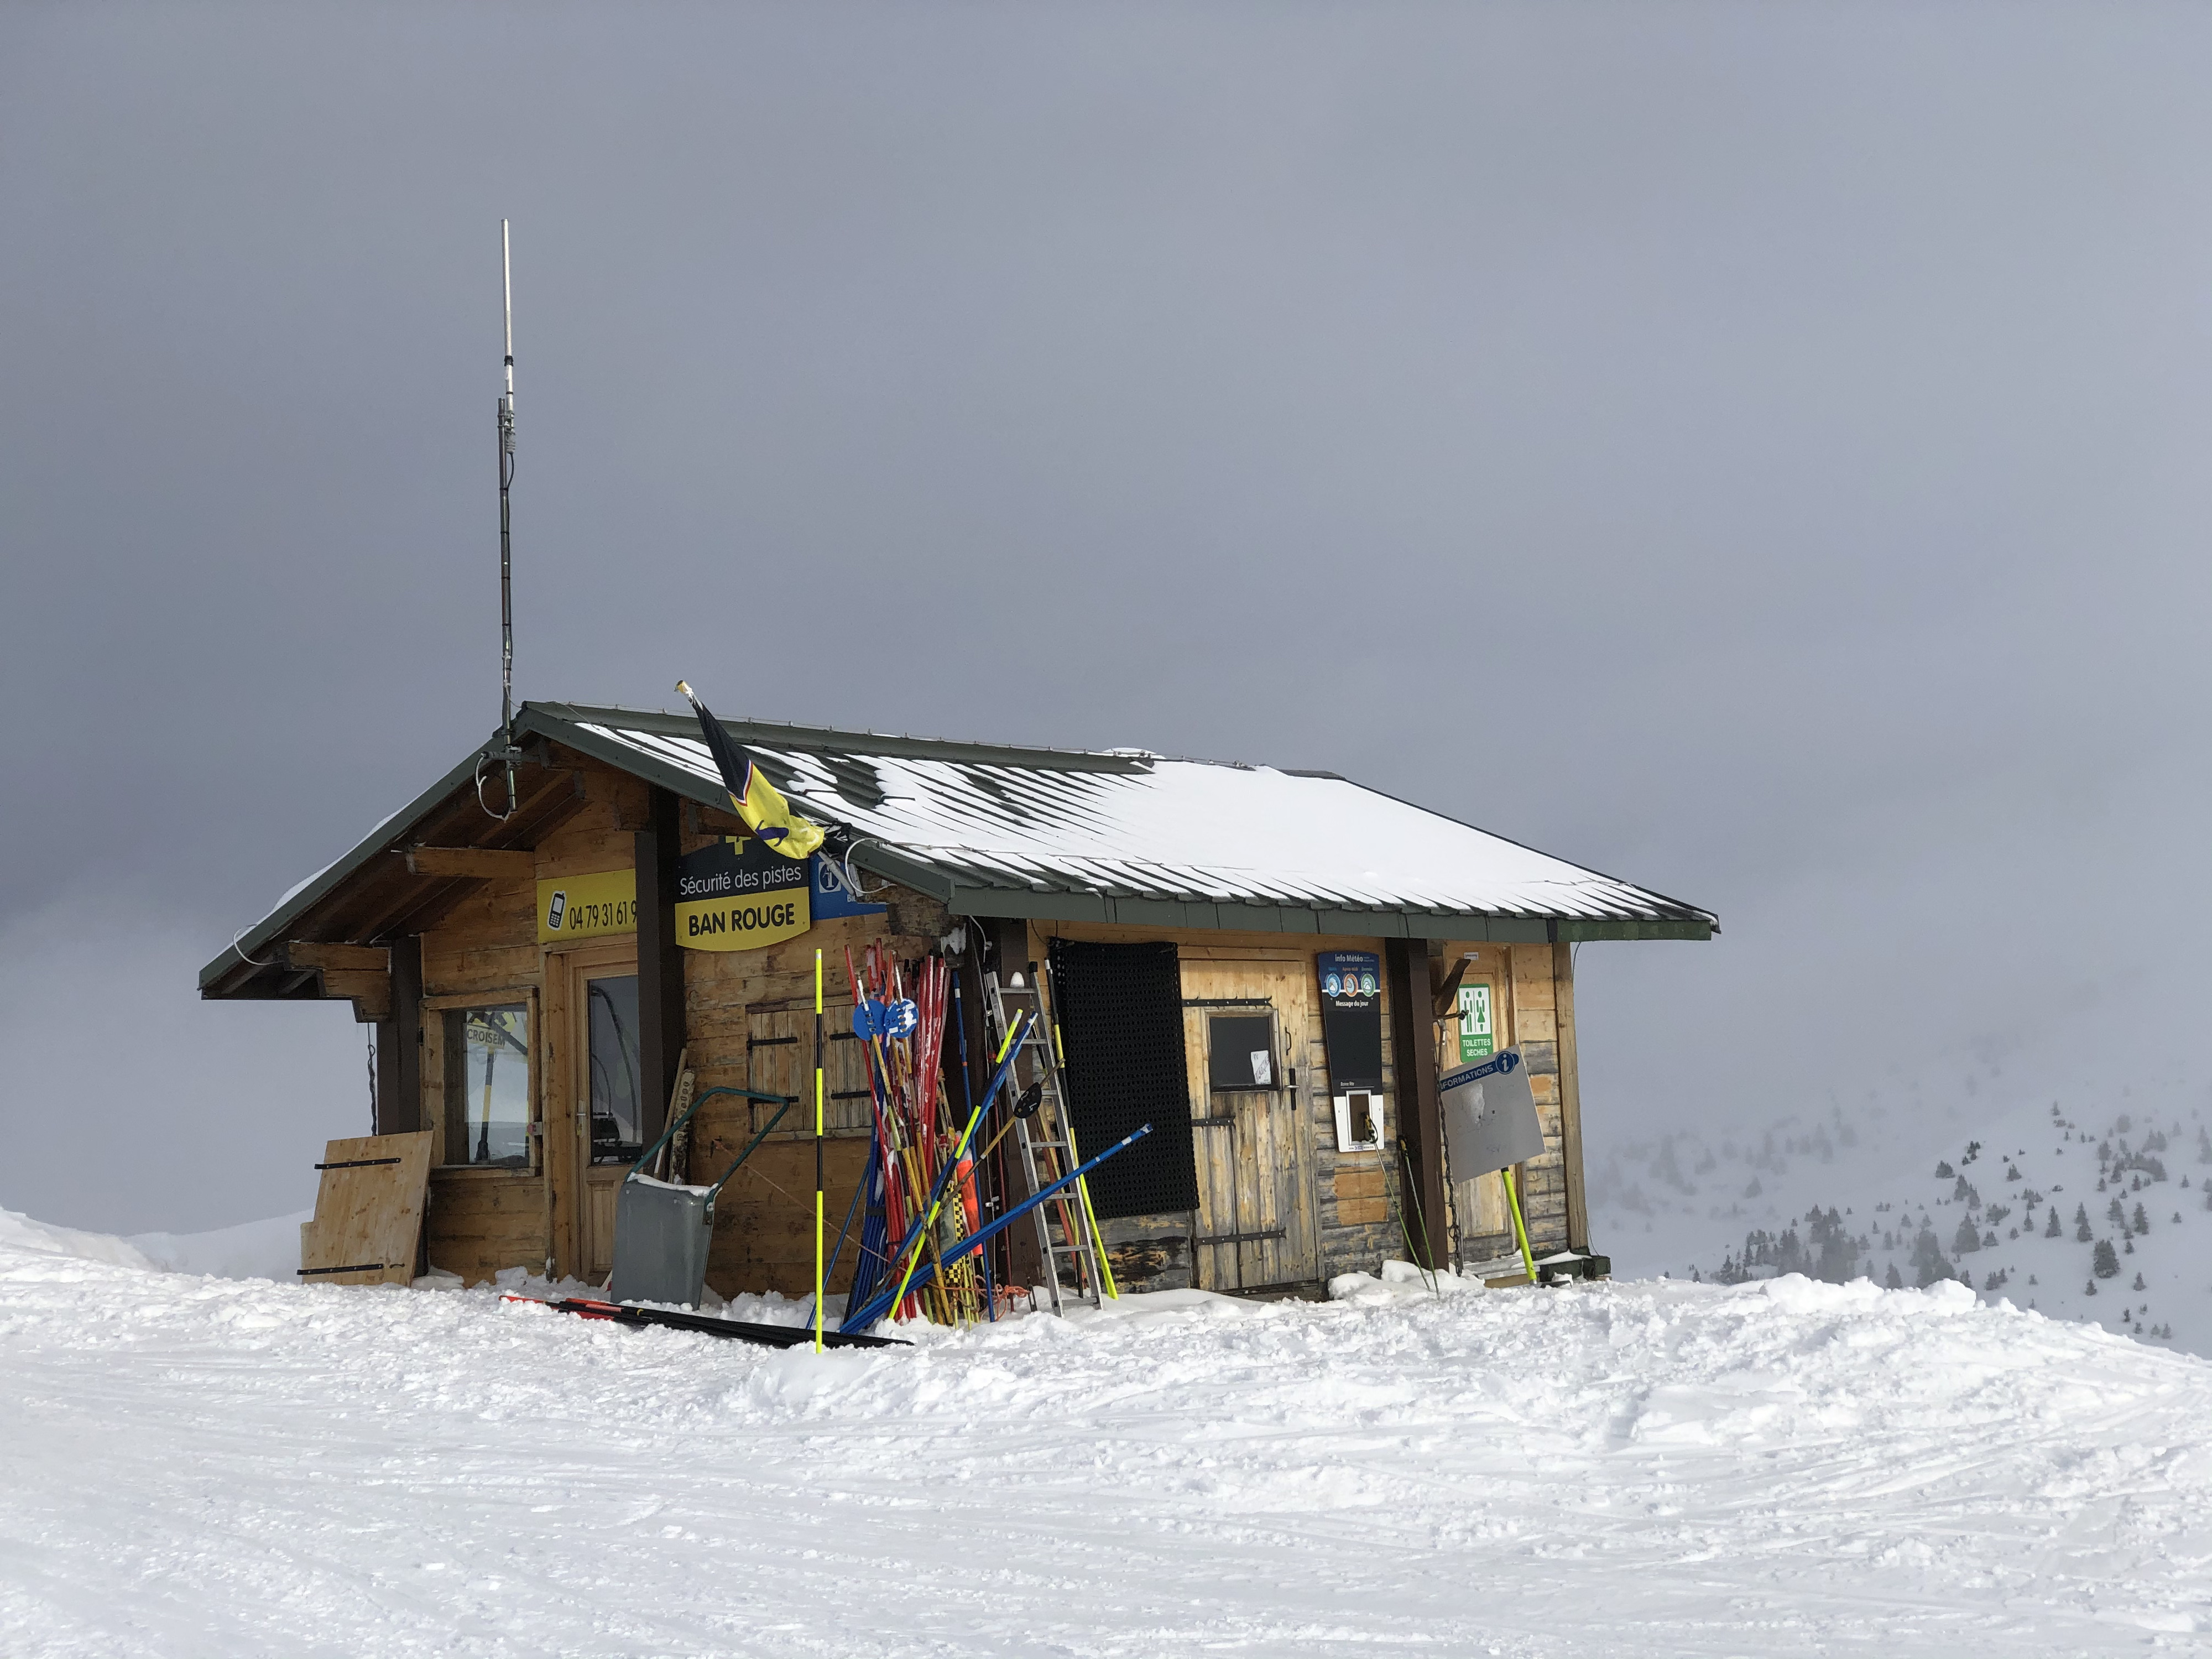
(753, 799)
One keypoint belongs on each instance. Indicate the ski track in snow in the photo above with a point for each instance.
(212, 1467)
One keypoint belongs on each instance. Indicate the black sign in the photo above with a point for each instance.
(1351, 1018)
(736, 894)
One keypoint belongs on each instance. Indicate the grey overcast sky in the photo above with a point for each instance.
(1764, 451)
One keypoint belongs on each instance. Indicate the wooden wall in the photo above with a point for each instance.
(1533, 1002)
(736, 1005)
(486, 949)
(1351, 1199)
(1356, 1196)
(742, 1006)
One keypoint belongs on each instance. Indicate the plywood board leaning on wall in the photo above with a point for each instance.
(368, 1211)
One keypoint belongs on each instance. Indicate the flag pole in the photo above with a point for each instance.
(818, 1152)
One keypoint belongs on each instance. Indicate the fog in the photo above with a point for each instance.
(1757, 452)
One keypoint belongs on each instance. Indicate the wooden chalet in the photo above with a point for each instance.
(534, 977)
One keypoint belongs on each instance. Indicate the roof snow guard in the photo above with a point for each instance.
(1056, 834)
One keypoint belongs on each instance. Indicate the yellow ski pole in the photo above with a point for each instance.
(929, 1220)
(1520, 1227)
(818, 1152)
(1081, 1185)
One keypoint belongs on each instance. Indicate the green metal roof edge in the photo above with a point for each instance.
(1237, 916)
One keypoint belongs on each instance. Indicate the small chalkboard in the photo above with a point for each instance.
(1351, 1017)
(1240, 1052)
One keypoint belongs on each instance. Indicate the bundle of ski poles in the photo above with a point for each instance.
(919, 1184)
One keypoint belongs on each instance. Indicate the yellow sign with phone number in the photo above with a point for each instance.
(732, 895)
(584, 906)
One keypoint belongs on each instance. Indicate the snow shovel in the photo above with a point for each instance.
(1491, 1123)
(663, 1229)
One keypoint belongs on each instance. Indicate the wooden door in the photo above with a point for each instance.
(1477, 1030)
(1253, 1143)
(601, 1072)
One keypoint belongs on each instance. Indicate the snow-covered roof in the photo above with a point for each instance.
(1126, 835)
(1117, 835)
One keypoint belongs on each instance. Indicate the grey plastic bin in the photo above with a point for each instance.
(662, 1232)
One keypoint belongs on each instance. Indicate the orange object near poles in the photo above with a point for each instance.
(818, 1152)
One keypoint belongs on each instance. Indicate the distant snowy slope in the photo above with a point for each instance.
(198, 1466)
(1687, 1202)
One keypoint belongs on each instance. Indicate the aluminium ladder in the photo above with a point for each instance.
(1045, 1139)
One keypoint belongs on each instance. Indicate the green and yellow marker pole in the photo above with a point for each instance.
(818, 1152)
(1520, 1227)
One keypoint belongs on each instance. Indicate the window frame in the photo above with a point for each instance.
(434, 1079)
(585, 976)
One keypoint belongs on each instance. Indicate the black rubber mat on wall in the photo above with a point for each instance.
(1121, 1023)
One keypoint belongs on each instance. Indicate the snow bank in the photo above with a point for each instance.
(255, 1250)
(20, 1232)
(1781, 1468)
(1399, 1281)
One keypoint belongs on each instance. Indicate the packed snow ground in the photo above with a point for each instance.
(199, 1466)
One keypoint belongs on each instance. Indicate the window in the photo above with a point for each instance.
(488, 1087)
(617, 1125)
(1240, 1052)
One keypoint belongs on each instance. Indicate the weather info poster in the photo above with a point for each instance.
(736, 894)
(1351, 1017)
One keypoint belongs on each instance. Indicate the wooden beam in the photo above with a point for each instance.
(399, 1082)
(1446, 999)
(345, 958)
(411, 907)
(1570, 1097)
(362, 974)
(511, 863)
(1420, 1119)
(659, 960)
(370, 993)
(700, 820)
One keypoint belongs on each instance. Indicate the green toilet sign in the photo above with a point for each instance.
(1478, 1037)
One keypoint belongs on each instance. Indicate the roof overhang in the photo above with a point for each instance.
(367, 898)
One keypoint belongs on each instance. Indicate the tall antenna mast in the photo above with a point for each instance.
(508, 753)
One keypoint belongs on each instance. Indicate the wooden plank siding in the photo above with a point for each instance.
(1342, 1206)
(1354, 1201)
(486, 946)
(1533, 1006)
(1255, 1171)
(736, 1002)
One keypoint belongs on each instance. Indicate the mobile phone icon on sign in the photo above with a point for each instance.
(555, 910)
